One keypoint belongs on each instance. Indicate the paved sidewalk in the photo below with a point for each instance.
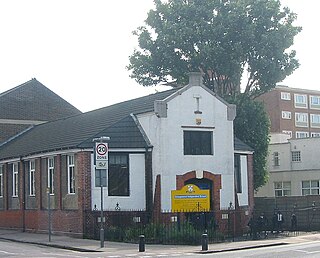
(87, 245)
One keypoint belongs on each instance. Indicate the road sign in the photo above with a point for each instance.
(101, 153)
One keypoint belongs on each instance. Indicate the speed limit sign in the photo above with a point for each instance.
(101, 152)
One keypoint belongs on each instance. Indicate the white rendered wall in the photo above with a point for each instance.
(137, 197)
(243, 197)
(166, 135)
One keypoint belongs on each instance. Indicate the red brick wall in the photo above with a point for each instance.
(69, 222)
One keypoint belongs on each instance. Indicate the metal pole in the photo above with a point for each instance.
(49, 215)
(101, 224)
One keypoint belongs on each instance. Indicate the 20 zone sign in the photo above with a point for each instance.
(101, 151)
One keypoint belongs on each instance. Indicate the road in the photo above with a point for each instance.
(14, 249)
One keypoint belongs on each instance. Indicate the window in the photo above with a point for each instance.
(51, 175)
(276, 161)
(302, 119)
(32, 168)
(286, 114)
(237, 172)
(288, 133)
(315, 120)
(1, 181)
(71, 176)
(282, 189)
(315, 102)
(197, 143)
(300, 101)
(296, 156)
(285, 96)
(310, 187)
(118, 175)
(315, 134)
(15, 180)
(302, 134)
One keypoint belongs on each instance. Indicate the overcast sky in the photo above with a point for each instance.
(79, 48)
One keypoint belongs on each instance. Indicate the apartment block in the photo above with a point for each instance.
(293, 111)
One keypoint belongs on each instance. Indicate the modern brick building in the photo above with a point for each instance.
(293, 111)
(158, 143)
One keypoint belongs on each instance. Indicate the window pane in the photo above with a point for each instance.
(118, 175)
(314, 183)
(197, 143)
(286, 192)
(305, 191)
(278, 185)
(305, 184)
(278, 193)
(286, 185)
(315, 191)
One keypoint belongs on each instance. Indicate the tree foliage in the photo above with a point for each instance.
(221, 38)
(252, 125)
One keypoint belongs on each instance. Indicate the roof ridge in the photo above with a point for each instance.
(17, 87)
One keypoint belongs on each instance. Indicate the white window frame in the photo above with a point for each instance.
(300, 134)
(285, 96)
(315, 120)
(315, 134)
(300, 101)
(1, 180)
(311, 188)
(276, 159)
(296, 156)
(32, 169)
(301, 119)
(51, 175)
(314, 102)
(286, 114)
(15, 180)
(71, 175)
(283, 188)
(287, 132)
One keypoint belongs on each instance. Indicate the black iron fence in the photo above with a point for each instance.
(300, 213)
(173, 228)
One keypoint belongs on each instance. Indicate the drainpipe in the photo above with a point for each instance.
(23, 197)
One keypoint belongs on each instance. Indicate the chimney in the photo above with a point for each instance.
(195, 79)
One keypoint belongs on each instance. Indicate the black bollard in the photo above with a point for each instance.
(141, 243)
(204, 240)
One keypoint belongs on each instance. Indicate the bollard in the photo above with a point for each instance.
(204, 240)
(141, 243)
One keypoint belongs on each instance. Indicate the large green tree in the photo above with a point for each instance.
(222, 38)
(233, 43)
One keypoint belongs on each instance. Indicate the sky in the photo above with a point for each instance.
(79, 49)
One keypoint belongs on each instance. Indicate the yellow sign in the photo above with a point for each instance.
(190, 199)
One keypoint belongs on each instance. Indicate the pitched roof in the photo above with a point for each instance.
(241, 146)
(28, 104)
(116, 121)
(34, 101)
(79, 130)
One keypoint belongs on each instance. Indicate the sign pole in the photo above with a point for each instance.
(101, 214)
(101, 165)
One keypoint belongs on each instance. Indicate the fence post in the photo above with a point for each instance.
(204, 241)
(141, 243)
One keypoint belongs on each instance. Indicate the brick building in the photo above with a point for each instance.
(293, 111)
(158, 143)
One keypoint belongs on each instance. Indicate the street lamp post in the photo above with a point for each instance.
(101, 162)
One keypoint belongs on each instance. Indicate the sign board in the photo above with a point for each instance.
(101, 155)
(190, 199)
